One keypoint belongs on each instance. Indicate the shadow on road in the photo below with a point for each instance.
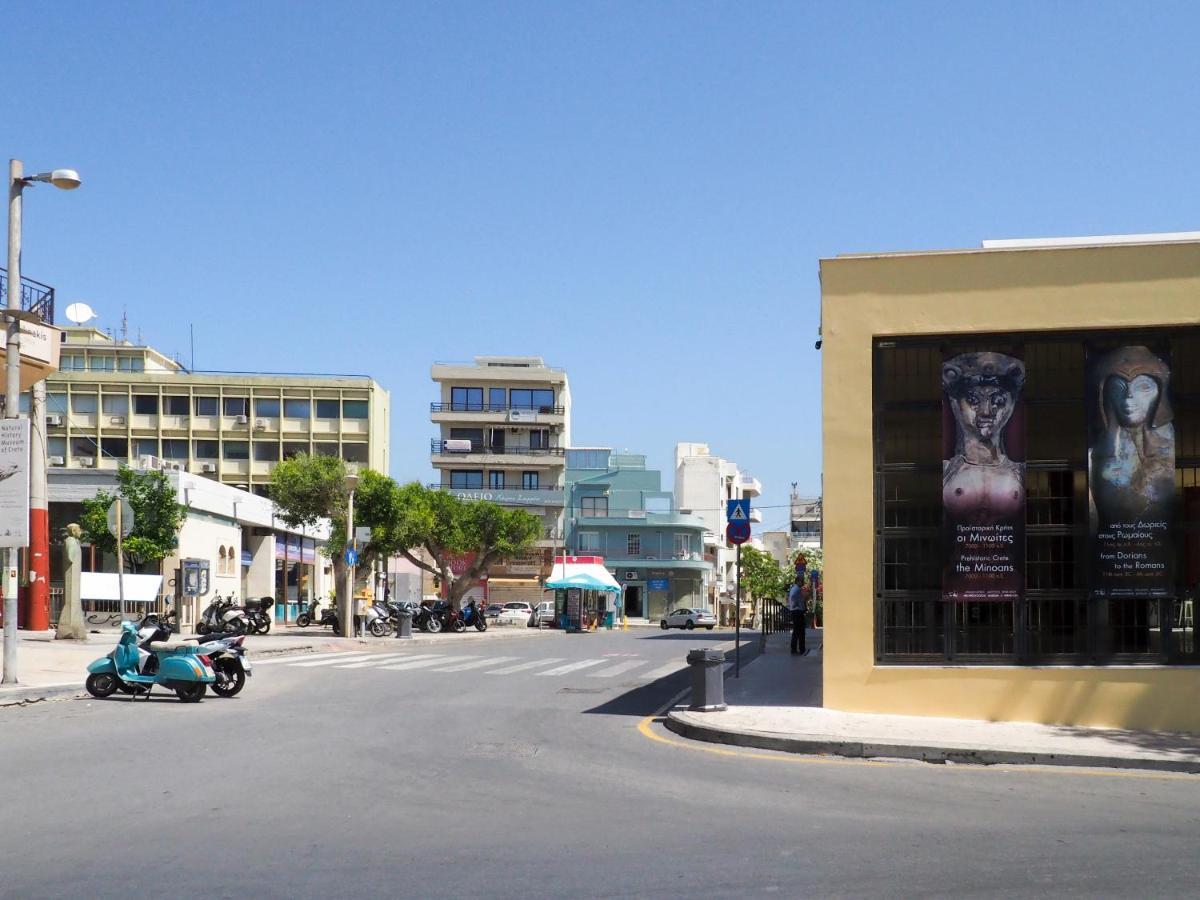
(648, 698)
(698, 635)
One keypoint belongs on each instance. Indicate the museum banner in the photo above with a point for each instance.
(983, 477)
(1131, 472)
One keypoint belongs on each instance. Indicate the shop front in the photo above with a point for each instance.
(296, 561)
(586, 595)
(1012, 523)
(649, 593)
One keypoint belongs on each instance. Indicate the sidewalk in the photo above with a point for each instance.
(776, 705)
(48, 668)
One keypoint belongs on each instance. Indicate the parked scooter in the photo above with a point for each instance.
(227, 654)
(223, 617)
(380, 619)
(258, 615)
(428, 618)
(326, 617)
(473, 615)
(177, 665)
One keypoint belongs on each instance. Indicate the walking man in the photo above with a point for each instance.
(796, 603)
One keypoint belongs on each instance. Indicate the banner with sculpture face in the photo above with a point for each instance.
(983, 477)
(1131, 472)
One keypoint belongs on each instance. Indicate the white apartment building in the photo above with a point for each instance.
(503, 424)
(116, 402)
(704, 483)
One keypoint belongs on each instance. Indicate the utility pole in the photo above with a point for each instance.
(12, 398)
(39, 514)
(737, 626)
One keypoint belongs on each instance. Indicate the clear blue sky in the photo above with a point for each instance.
(639, 192)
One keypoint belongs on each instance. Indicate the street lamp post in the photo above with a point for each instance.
(66, 179)
(348, 610)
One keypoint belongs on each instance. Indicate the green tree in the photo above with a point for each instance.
(763, 578)
(158, 516)
(814, 561)
(448, 530)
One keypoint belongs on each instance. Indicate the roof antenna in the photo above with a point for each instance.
(124, 325)
(192, 337)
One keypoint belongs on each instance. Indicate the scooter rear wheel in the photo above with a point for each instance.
(229, 682)
(379, 627)
(303, 620)
(102, 684)
(193, 693)
(481, 624)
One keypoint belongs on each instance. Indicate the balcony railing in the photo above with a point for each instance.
(477, 449)
(493, 408)
(35, 296)
(492, 487)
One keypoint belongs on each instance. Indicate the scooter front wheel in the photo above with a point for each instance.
(193, 693)
(481, 624)
(303, 620)
(379, 627)
(102, 684)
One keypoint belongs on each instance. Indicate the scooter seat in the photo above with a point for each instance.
(161, 646)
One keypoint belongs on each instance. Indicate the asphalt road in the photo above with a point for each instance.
(460, 774)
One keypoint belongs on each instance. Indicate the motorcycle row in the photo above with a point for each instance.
(224, 616)
(383, 617)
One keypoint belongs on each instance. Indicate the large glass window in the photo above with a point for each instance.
(466, 479)
(297, 409)
(145, 447)
(102, 363)
(175, 405)
(208, 449)
(326, 448)
(174, 449)
(131, 364)
(115, 404)
(236, 406)
(683, 546)
(354, 453)
(266, 407)
(633, 544)
(114, 448)
(529, 481)
(84, 404)
(587, 459)
(354, 409)
(497, 398)
(495, 479)
(236, 449)
(56, 403)
(206, 406)
(466, 399)
(295, 448)
(328, 409)
(72, 362)
(266, 451)
(56, 446)
(84, 447)
(145, 404)
(1058, 616)
(592, 507)
(589, 541)
(537, 399)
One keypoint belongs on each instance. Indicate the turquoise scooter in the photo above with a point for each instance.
(177, 665)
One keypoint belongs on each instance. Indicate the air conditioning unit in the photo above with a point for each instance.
(55, 420)
(631, 576)
(208, 467)
(260, 424)
(57, 461)
(87, 462)
(172, 467)
(116, 420)
(146, 461)
(242, 420)
(456, 445)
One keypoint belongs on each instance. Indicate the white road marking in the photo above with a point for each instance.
(331, 662)
(476, 663)
(380, 658)
(574, 667)
(508, 670)
(299, 657)
(617, 669)
(416, 664)
(662, 671)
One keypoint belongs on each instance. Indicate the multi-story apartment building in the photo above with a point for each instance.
(618, 510)
(703, 485)
(116, 402)
(503, 423)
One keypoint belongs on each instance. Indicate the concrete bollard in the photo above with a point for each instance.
(708, 680)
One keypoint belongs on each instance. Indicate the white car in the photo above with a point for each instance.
(516, 612)
(686, 617)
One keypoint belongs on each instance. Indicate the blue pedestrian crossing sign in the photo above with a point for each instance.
(351, 556)
(738, 510)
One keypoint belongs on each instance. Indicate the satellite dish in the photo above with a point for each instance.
(80, 313)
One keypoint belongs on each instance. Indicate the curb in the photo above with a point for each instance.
(20, 696)
(818, 745)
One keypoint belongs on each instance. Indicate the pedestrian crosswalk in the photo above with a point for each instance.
(629, 668)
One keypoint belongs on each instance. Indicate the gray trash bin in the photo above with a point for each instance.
(708, 680)
(404, 627)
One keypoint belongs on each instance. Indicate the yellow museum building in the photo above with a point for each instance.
(1012, 481)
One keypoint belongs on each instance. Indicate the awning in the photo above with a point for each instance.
(586, 576)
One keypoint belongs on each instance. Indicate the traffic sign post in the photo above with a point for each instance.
(120, 526)
(737, 532)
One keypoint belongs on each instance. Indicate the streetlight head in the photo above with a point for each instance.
(351, 481)
(66, 179)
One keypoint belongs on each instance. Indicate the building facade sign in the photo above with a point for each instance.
(1131, 472)
(507, 497)
(983, 477)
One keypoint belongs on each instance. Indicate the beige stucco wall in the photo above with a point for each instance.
(976, 291)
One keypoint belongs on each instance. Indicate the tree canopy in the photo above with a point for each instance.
(762, 576)
(158, 516)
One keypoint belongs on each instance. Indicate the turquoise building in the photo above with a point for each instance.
(616, 508)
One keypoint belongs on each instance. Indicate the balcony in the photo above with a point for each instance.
(35, 297)
(756, 516)
(495, 415)
(446, 452)
(508, 496)
(751, 486)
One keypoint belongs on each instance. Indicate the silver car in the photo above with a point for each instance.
(686, 617)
